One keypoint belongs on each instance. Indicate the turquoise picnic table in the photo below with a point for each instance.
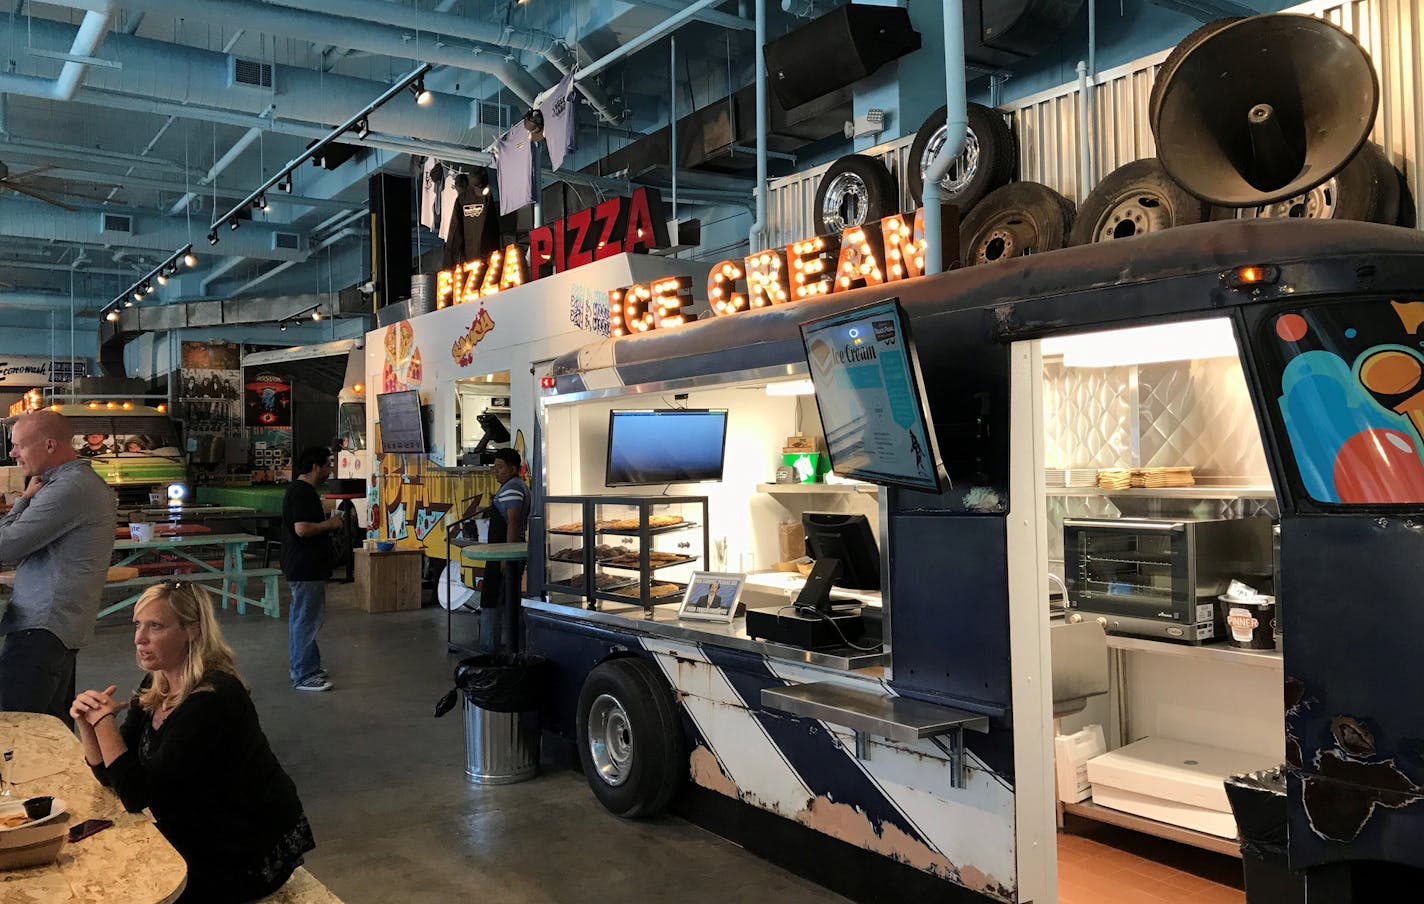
(184, 549)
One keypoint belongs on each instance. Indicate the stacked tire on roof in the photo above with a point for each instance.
(1276, 140)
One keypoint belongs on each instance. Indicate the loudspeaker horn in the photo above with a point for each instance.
(1264, 109)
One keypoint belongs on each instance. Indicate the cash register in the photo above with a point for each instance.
(846, 557)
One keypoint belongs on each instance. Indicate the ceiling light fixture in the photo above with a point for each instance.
(282, 326)
(190, 259)
(260, 203)
(316, 313)
(285, 183)
(112, 316)
(234, 223)
(212, 237)
(363, 129)
(162, 277)
(422, 95)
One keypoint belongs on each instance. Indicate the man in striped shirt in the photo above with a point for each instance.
(499, 608)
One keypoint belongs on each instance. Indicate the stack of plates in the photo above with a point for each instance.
(1070, 477)
(34, 842)
(1163, 477)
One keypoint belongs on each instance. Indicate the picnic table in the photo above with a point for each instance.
(182, 552)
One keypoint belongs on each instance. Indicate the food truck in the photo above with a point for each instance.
(897, 742)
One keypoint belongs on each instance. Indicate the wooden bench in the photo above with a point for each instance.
(233, 585)
(301, 888)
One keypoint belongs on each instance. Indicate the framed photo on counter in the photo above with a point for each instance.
(712, 595)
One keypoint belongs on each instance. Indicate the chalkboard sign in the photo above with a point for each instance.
(402, 428)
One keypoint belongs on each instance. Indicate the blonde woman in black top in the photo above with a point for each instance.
(190, 750)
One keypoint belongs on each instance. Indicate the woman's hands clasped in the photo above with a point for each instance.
(91, 706)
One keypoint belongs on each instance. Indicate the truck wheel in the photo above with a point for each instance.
(1134, 200)
(1367, 189)
(988, 160)
(856, 189)
(1020, 218)
(630, 739)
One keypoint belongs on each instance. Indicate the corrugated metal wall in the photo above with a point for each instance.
(1391, 31)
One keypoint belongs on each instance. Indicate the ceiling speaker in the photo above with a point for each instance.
(1264, 109)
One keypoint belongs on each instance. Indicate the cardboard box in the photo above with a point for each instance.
(388, 581)
(800, 443)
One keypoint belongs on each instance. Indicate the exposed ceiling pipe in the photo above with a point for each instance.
(87, 38)
(48, 300)
(762, 127)
(239, 147)
(710, 16)
(152, 143)
(957, 125)
(440, 24)
(219, 271)
(663, 28)
(261, 278)
(195, 77)
(47, 151)
(130, 181)
(322, 27)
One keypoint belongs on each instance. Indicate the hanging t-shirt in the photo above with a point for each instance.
(514, 161)
(474, 227)
(560, 132)
(429, 192)
(447, 205)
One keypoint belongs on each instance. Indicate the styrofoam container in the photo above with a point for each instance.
(1071, 755)
(1178, 771)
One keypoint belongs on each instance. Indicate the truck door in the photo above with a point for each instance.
(1339, 388)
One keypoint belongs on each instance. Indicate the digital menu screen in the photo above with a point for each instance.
(402, 428)
(867, 383)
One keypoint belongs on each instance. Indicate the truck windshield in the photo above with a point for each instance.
(136, 436)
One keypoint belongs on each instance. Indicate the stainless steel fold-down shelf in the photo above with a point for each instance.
(882, 715)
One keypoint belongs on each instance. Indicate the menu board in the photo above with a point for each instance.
(867, 383)
(402, 428)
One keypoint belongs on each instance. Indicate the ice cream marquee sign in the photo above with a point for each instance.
(866, 255)
(615, 226)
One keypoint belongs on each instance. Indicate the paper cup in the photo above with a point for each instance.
(141, 531)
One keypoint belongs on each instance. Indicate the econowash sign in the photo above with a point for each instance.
(615, 226)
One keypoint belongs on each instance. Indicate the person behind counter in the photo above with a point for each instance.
(190, 749)
(499, 620)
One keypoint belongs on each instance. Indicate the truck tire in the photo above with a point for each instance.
(1367, 189)
(1020, 218)
(989, 159)
(630, 738)
(856, 189)
(1134, 200)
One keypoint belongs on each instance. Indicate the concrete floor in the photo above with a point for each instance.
(384, 786)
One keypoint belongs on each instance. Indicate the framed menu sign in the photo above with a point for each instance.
(868, 387)
(402, 426)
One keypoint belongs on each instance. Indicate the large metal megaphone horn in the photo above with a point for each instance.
(1253, 111)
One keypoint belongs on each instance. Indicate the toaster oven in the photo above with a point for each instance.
(1160, 578)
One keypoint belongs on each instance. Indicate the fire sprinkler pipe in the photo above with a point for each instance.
(957, 125)
(759, 226)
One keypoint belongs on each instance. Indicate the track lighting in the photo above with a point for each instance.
(422, 96)
(282, 326)
(112, 316)
(212, 238)
(285, 183)
(234, 223)
(316, 314)
(260, 203)
(137, 295)
(147, 288)
(191, 259)
(363, 128)
(162, 277)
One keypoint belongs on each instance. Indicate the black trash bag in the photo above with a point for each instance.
(499, 682)
(1258, 800)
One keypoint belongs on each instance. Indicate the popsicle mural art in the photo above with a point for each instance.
(1352, 400)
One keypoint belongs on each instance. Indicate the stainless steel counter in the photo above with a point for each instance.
(665, 623)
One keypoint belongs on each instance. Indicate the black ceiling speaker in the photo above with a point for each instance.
(840, 48)
(1263, 109)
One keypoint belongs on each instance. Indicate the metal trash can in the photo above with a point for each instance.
(503, 694)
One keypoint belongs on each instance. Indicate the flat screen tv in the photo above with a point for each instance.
(674, 445)
(402, 426)
(868, 388)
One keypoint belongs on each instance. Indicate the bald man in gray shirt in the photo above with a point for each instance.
(60, 538)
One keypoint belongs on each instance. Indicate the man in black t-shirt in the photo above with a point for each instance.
(306, 561)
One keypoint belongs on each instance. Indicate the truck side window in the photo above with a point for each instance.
(1347, 380)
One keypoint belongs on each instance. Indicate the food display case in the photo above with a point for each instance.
(633, 550)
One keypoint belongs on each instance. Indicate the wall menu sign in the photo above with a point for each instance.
(636, 223)
(867, 383)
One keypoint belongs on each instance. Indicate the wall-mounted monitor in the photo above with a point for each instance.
(402, 425)
(674, 445)
(868, 388)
